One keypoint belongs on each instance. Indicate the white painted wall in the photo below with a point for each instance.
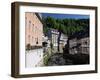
(5, 40)
(34, 58)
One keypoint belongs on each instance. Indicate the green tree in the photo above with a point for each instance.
(66, 26)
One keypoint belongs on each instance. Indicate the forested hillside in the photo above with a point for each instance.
(66, 26)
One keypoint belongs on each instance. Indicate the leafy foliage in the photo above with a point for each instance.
(66, 26)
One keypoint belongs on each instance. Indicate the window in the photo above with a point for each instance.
(85, 42)
(33, 28)
(33, 39)
(29, 38)
(29, 23)
(25, 21)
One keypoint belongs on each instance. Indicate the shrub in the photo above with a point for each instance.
(28, 47)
